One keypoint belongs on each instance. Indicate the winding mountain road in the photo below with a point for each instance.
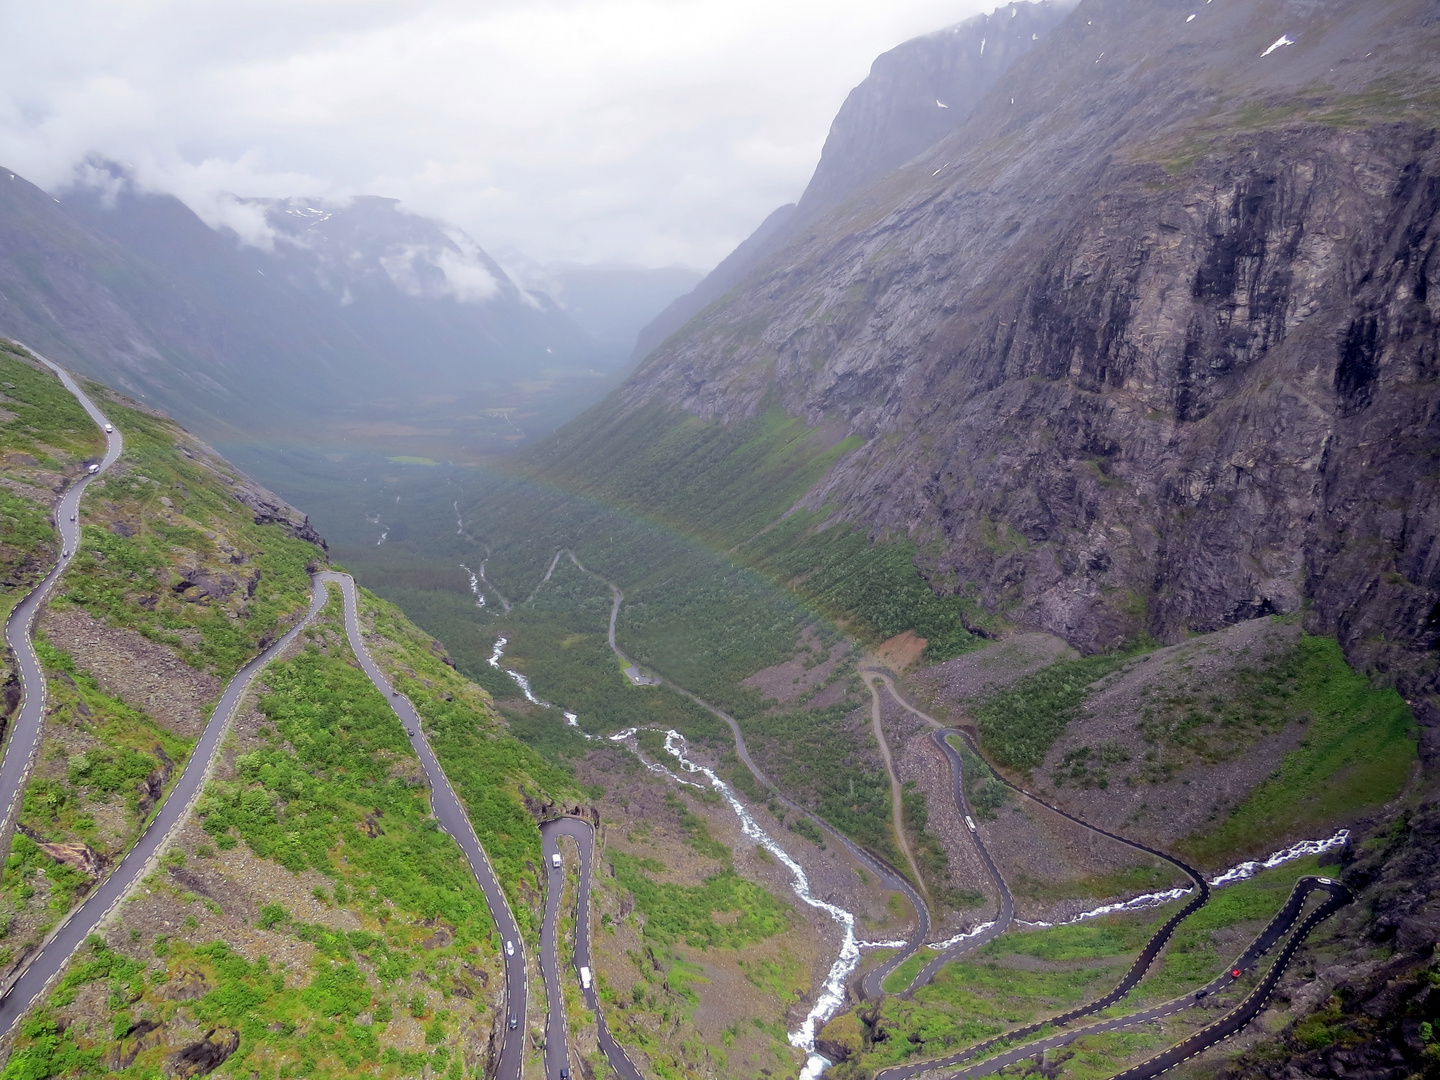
(24, 735)
(42, 966)
(451, 816)
(1278, 926)
(1236, 1019)
(897, 801)
(46, 964)
(1006, 914)
(50, 960)
(1336, 897)
(557, 1054)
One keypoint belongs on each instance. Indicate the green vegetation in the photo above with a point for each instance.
(697, 833)
(326, 764)
(651, 503)
(929, 852)
(983, 789)
(328, 784)
(905, 974)
(1206, 942)
(1151, 877)
(167, 550)
(1019, 725)
(685, 913)
(43, 419)
(874, 589)
(491, 771)
(1023, 976)
(96, 780)
(815, 758)
(1357, 751)
(1189, 719)
(720, 483)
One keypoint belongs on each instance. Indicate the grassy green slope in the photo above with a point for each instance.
(387, 971)
(500, 779)
(163, 517)
(377, 953)
(1026, 975)
(690, 519)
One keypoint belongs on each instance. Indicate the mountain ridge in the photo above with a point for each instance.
(896, 112)
(1131, 393)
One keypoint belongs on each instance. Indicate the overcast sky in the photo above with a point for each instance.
(650, 131)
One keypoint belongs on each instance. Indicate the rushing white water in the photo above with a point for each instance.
(832, 991)
(459, 521)
(524, 684)
(950, 943)
(383, 535)
(627, 737)
(1236, 873)
(1284, 855)
(475, 588)
(520, 680)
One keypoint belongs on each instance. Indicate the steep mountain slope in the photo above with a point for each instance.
(1150, 349)
(308, 916)
(135, 289)
(915, 94)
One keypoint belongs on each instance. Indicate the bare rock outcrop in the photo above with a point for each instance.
(205, 1056)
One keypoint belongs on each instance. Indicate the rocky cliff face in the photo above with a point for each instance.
(919, 92)
(915, 94)
(1149, 343)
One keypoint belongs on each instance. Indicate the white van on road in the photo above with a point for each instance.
(555, 859)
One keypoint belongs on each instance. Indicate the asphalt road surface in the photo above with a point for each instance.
(452, 818)
(1006, 913)
(24, 735)
(556, 1040)
(1336, 897)
(1132, 977)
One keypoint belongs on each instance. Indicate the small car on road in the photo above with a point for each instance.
(509, 948)
(514, 1021)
